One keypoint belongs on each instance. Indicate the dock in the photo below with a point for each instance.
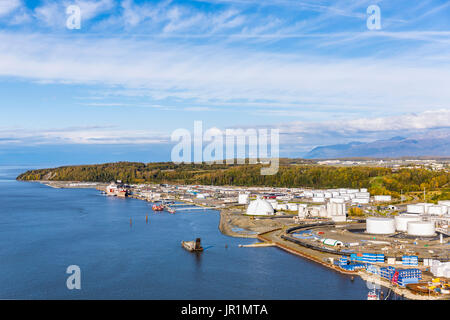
(258, 244)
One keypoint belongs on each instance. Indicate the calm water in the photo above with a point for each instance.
(44, 230)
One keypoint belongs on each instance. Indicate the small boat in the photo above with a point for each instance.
(158, 208)
(171, 210)
(372, 295)
(193, 246)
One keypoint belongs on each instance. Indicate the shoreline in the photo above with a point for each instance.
(69, 184)
(268, 232)
(273, 237)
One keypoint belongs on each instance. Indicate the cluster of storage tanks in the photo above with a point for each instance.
(334, 211)
(440, 209)
(357, 196)
(411, 224)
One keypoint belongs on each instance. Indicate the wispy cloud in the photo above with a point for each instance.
(218, 74)
(296, 136)
(8, 6)
(313, 63)
(81, 135)
(303, 136)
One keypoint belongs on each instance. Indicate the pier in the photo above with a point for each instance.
(194, 208)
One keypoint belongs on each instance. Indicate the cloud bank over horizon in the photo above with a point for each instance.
(136, 70)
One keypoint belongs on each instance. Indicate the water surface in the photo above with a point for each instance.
(44, 230)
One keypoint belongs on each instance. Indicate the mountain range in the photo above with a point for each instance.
(390, 148)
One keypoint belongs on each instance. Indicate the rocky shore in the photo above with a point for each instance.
(233, 223)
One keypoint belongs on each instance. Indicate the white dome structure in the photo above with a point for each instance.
(401, 221)
(260, 207)
(380, 226)
(421, 228)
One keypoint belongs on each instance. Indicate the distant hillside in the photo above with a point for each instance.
(391, 148)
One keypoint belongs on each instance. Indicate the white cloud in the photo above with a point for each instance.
(295, 136)
(80, 135)
(51, 14)
(217, 74)
(409, 122)
(8, 6)
(426, 124)
(90, 9)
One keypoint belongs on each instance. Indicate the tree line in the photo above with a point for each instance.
(378, 180)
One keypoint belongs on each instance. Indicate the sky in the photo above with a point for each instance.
(135, 71)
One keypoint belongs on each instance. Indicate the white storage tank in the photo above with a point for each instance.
(380, 225)
(361, 200)
(319, 195)
(320, 211)
(421, 228)
(308, 194)
(362, 195)
(302, 210)
(438, 210)
(401, 221)
(282, 206)
(337, 200)
(426, 206)
(415, 208)
(383, 198)
(243, 198)
(318, 199)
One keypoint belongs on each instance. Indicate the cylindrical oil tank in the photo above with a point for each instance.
(438, 210)
(415, 208)
(380, 225)
(401, 221)
(444, 203)
(421, 228)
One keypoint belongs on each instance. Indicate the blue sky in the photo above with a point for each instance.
(137, 70)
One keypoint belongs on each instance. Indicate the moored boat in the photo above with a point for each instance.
(372, 295)
(158, 207)
(171, 210)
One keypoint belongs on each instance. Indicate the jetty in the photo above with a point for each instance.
(258, 244)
